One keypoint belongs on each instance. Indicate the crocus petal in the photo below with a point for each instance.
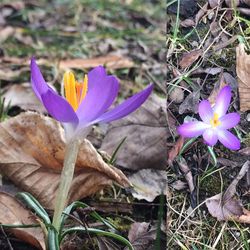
(127, 107)
(228, 139)
(38, 83)
(102, 91)
(229, 121)
(223, 101)
(58, 107)
(205, 111)
(192, 129)
(210, 136)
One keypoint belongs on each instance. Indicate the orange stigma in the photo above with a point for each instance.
(215, 121)
(75, 92)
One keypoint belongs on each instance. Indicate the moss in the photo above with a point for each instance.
(121, 224)
(211, 184)
(247, 140)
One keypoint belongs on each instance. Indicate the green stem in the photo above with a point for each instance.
(67, 174)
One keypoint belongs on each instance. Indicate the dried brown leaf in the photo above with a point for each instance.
(228, 207)
(187, 173)
(215, 92)
(225, 42)
(175, 150)
(201, 13)
(7, 74)
(243, 73)
(224, 79)
(141, 236)
(176, 95)
(148, 184)
(22, 95)
(245, 151)
(14, 213)
(187, 23)
(224, 210)
(190, 104)
(146, 135)
(178, 185)
(32, 153)
(110, 62)
(189, 58)
(6, 32)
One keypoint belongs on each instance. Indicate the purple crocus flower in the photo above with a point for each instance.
(215, 122)
(85, 103)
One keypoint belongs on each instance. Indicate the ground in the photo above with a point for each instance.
(212, 36)
(63, 30)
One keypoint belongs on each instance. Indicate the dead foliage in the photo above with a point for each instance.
(32, 153)
(243, 74)
(146, 133)
(226, 206)
(14, 213)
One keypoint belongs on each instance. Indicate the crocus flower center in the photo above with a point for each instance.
(74, 91)
(215, 121)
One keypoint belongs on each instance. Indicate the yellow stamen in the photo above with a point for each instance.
(75, 92)
(70, 89)
(215, 121)
(84, 88)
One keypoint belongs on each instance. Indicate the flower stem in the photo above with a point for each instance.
(67, 174)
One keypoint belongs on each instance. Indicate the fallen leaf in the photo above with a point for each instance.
(148, 184)
(32, 153)
(22, 95)
(224, 43)
(106, 244)
(176, 95)
(141, 236)
(243, 74)
(146, 134)
(209, 70)
(224, 79)
(7, 74)
(201, 13)
(190, 103)
(245, 151)
(226, 210)
(175, 150)
(187, 23)
(217, 87)
(6, 32)
(178, 185)
(228, 207)
(14, 213)
(189, 178)
(109, 61)
(189, 58)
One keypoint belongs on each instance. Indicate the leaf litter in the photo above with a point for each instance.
(32, 156)
(225, 206)
(76, 42)
(14, 213)
(215, 30)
